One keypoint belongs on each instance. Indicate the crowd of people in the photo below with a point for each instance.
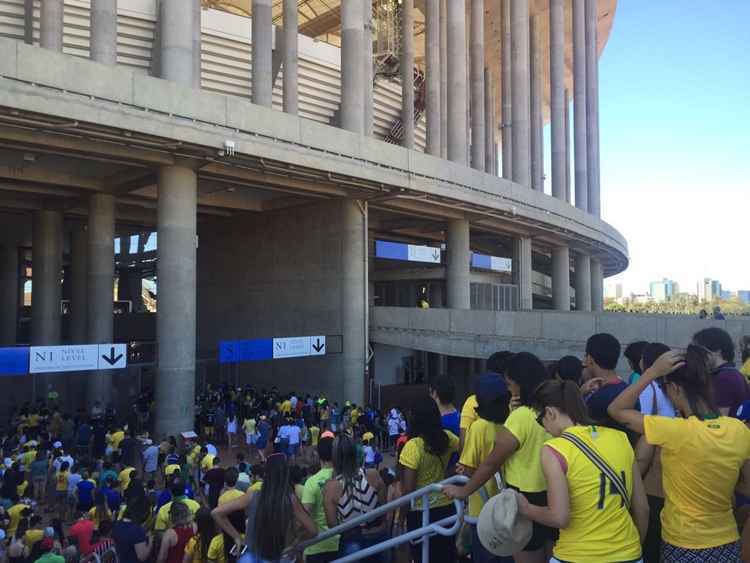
(564, 462)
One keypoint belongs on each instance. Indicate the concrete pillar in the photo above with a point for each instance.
(51, 25)
(101, 272)
(291, 57)
(129, 288)
(104, 31)
(80, 284)
(262, 30)
(432, 56)
(597, 285)
(177, 59)
(489, 127)
(478, 117)
(28, 22)
(175, 318)
(592, 108)
(47, 244)
(579, 103)
(457, 82)
(583, 282)
(8, 293)
(561, 278)
(536, 95)
(353, 298)
(521, 108)
(352, 73)
(506, 95)
(407, 72)
(197, 43)
(557, 95)
(459, 261)
(522, 269)
(368, 70)
(443, 79)
(568, 190)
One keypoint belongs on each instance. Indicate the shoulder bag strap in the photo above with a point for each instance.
(602, 465)
(654, 405)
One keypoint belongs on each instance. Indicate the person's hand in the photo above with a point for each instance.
(455, 492)
(665, 364)
(591, 385)
(515, 402)
(523, 505)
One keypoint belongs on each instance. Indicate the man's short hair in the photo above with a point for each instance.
(716, 339)
(604, 349)
(325, 449)
(445, 388)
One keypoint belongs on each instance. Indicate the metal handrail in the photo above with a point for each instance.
(427, 529)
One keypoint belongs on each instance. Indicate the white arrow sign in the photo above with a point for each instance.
(112, 356)
(83, 357)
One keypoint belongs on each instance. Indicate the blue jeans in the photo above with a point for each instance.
(354, 542)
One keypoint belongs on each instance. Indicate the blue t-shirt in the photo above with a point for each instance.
(85, 494)
(599, 402)
(127, 535)
(113, 499)
(451, 422)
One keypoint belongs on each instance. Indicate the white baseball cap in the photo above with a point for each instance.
(501, 528)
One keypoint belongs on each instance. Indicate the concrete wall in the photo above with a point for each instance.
(274, 275)
(388, 363)
(548, 334)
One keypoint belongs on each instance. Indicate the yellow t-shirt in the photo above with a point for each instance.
(216, 549)
(32, 536)
(286, 407)
(207, 462)
(230, 495)
(162, 517)
(601, 528)
(169, 469)
(92, 514)
(479, 441)
(14, 516)
(34, 420)
(746, 369)
(21, 489)
(524, 468)
(355, 416)
(192, 548)
(701, 462)
(61, 481)
(192, 457)
(28, 457)
(124, 477)
(116, 438)
(257, 486)
(314, 435)
(429, 467)
(468, 412)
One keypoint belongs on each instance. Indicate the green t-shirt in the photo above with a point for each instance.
(313, 495)
(50, 558)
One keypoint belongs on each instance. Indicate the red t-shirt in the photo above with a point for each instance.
(82, 531)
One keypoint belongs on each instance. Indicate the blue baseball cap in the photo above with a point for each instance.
(743, 411)
(490, 386)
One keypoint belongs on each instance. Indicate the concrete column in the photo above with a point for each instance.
(175, 318)
(592, 108)
(536, 93)
(51, 25)
(521, 108)
(568, 189)
(262, 30)
(478, 117)
(597, 285)
(489, 127)
(459, 261)
(522, 269)
(28, 22)
(352, 73)
(80, 284)
(407, 72)
(177, 58)
(104, 31)
(432, 56)
(579, 103)
(368, 70)
(583, 282)
(557, 95)
(101, 272)
(197, 43)
(443, 78)
(561, 278)
(8, 293)
(353, 295)
(47, 244)
(507, 118)
(291, 30)
(457, 82)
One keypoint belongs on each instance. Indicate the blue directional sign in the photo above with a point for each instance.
(14, 361)
(255, 350)
(228, 351)
(260, 349)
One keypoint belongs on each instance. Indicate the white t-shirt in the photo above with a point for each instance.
(58, 462)
(73, 480)
(369, 454)
(293, 402)
(394, 425)
(151, 458)
(212, 449)
(664, 406)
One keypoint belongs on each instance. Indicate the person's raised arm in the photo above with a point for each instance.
(557, 512)
(639, 504)
(505, 445)
(623, 410)
(221, 514)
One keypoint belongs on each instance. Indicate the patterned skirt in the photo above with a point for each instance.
(728, 553)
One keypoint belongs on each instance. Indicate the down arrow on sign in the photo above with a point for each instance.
(319, 346)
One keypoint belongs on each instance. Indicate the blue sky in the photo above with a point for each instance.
(675, 140)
